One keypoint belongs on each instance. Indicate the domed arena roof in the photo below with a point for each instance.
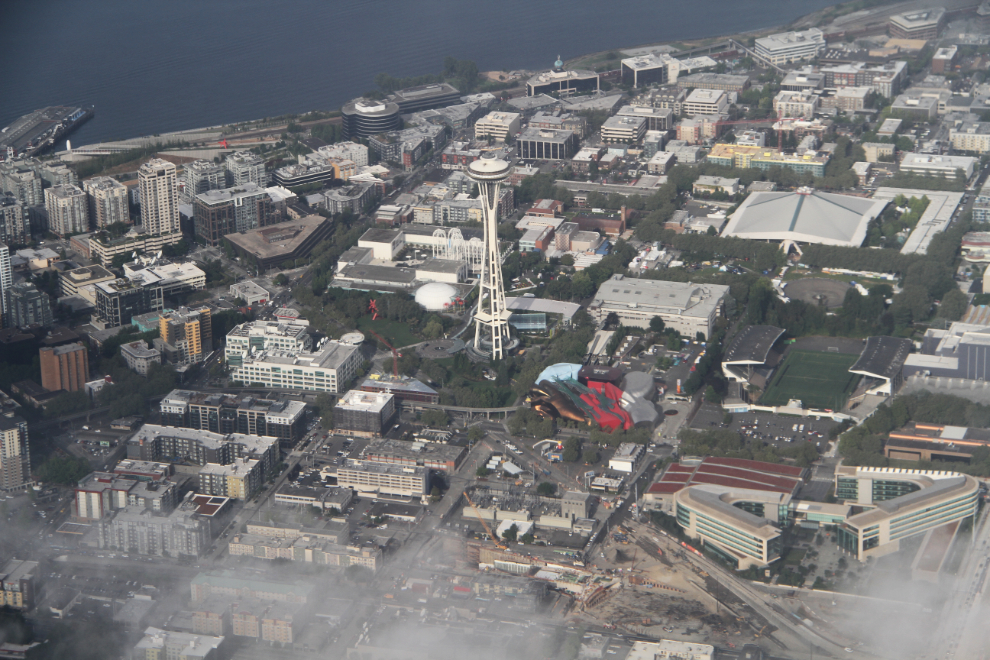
(435, 295)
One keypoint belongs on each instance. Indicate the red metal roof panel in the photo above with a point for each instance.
(748, 475)
(664, 488)
(717, 480)
(760, 466)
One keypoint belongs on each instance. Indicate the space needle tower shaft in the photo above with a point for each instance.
(492, 317)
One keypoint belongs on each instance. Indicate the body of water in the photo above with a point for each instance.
(152, 67)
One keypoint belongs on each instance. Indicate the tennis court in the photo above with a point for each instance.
(819, 380)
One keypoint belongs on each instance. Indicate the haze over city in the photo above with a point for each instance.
(597, 332)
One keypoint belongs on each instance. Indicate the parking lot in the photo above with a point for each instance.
(776, 430)
(680, 362)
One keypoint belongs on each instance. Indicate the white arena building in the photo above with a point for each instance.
(804, 216)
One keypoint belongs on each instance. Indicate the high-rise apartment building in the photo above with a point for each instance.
(107, 201)
(217, 213)
(15, 455)
(68, 211)
(158, 183)
(15, 225)
(51, 173)
(55, 174)
(64, 367)
(22, 183)
(185, 335)
(6, 276)
(26, 306)
(202, 175)
(245, 167)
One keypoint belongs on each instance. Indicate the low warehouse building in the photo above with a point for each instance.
(284, 241)
(686, 307)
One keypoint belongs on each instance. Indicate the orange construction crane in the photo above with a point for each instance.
(484, 524)
(395, 354)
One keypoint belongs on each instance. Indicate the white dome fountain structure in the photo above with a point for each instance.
(435, 296)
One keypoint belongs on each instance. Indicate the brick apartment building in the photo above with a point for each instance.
(64, 367)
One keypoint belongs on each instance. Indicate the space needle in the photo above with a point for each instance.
(492, 329)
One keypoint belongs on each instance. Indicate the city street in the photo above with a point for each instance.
(963, 632)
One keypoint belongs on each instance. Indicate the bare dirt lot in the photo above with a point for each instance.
(817, 291)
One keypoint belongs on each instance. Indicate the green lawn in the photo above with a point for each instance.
(395, 333)
(819, 380)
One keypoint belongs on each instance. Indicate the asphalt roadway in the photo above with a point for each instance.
(963, 632)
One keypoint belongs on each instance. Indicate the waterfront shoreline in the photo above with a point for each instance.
(172, 137)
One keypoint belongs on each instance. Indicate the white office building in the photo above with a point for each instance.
(944, 166)
(796, 104)
(346, 151)
(255, 336)
(498, 125)
(329, 369)
(379, 479)
(971, 136)
(625, 129)
(786, 47)
(668, 649)
(173, 278)
(250, 292)
(705, 102)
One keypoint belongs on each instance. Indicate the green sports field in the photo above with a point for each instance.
(819, 380)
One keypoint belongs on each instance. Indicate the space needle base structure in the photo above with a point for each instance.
(491, 335)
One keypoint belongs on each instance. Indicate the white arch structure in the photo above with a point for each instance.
(451, 245)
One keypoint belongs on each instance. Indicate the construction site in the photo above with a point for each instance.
(634, 586)
(555, 521)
